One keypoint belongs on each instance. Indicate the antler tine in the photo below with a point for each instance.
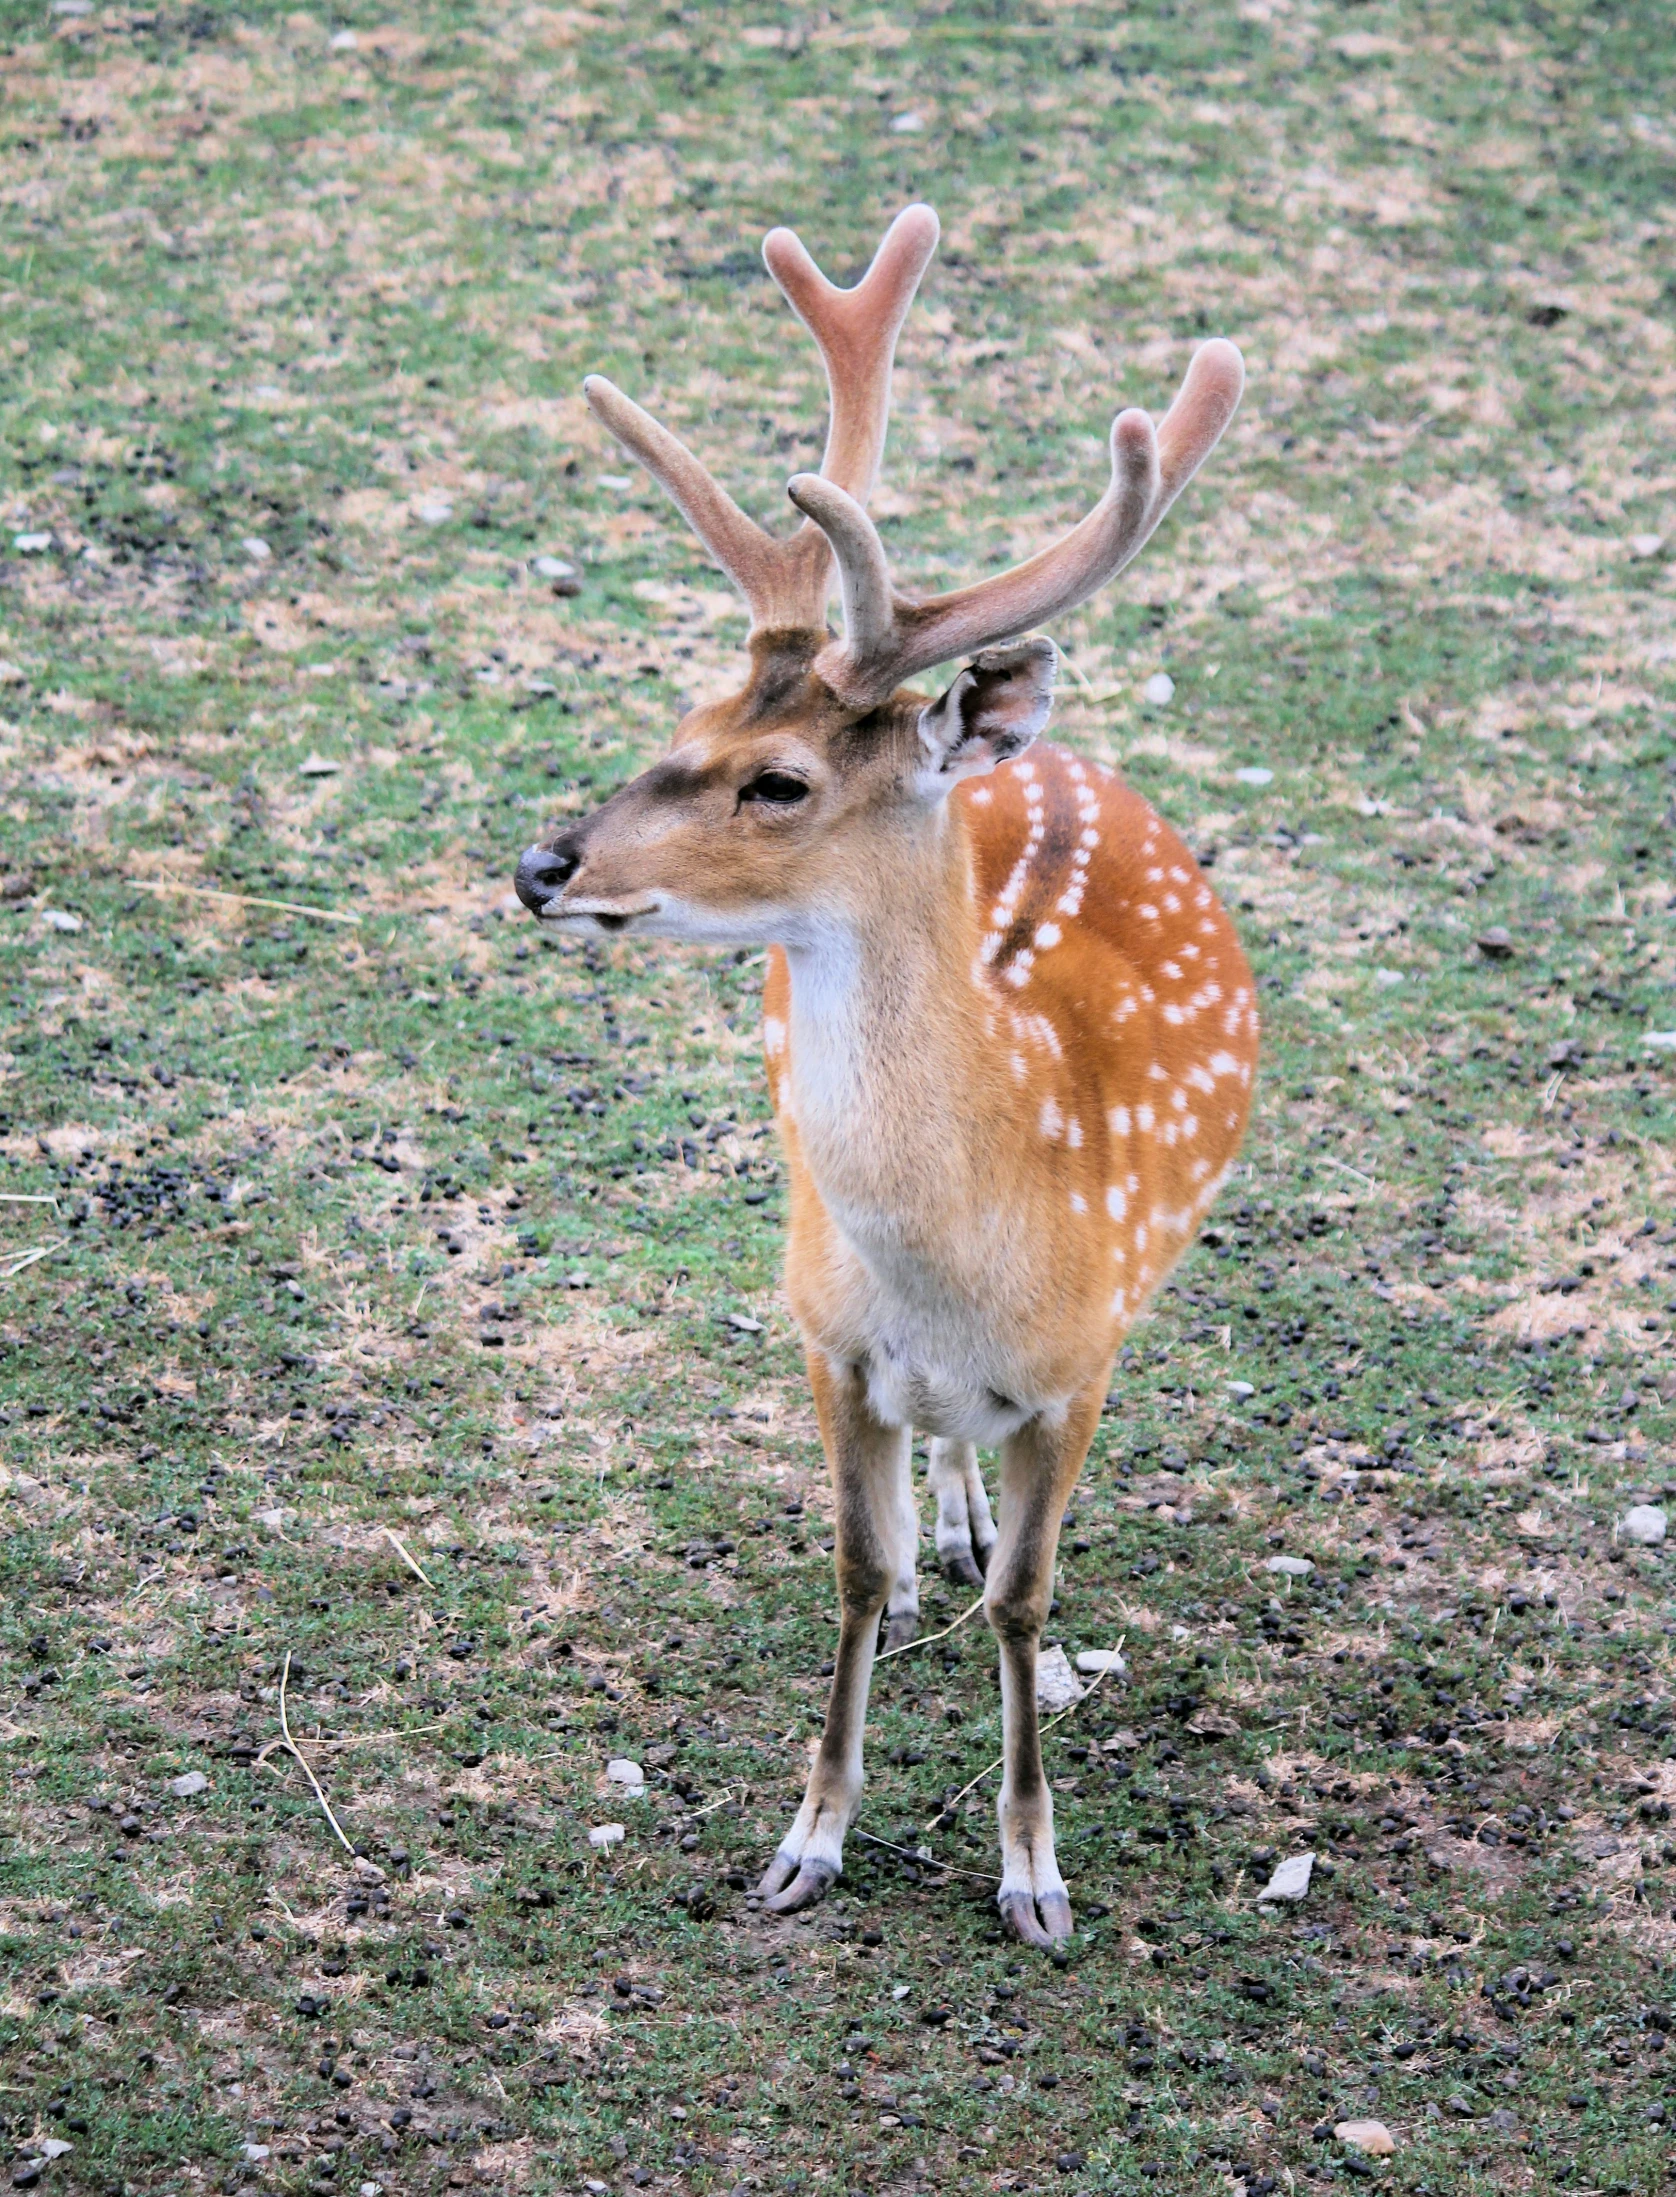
(774, 583)
(889, 638)
(786, 583)
(856, 331)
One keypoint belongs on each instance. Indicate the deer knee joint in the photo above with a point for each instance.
(864, 1583)
(1017, 1612)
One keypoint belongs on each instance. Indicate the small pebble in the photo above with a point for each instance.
(1644, 1524)
(1092, 1661)
(1254, 774)
(1496, 944)
(1290, 1880)
(1290, 1567)
(1371, 2136)
(192, 1783)
(604, 1835)
(1161, 688)
(629, 1775)
(1056, 1682)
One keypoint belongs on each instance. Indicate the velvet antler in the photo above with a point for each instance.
(786, 583)
(888, 637)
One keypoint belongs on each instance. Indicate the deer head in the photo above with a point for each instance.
(783, 801)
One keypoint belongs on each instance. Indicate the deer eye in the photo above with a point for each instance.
(778, 787)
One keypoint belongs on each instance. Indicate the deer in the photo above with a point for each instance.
(1009, 1032)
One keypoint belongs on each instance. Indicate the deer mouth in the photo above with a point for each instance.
(608, 915)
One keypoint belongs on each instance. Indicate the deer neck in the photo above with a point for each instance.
(890, 1071)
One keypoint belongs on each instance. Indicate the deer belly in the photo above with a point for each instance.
(907, 1385)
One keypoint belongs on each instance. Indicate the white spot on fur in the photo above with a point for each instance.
(1079, 1204)
(1073, 1134)
(1053, 1121)
(1116, 1203)
(1048, 934)
(773, 1036)
(1119, 1120)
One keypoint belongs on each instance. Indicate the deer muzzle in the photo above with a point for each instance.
(544, 872)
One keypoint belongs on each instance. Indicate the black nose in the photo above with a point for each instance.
(542, 873)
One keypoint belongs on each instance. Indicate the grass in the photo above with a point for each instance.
(412, 1226)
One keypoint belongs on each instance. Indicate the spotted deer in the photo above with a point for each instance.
(1010, 1034)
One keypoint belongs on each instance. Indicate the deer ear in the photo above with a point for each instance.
(993, 711)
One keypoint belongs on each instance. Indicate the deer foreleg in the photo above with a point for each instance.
(1039, 1467)
(874, 1517)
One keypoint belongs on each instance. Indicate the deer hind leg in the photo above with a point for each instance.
(902, 1603)
(1039, 1467)
(875, 1520)
(965, 1529)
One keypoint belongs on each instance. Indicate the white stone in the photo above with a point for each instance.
(1160, 688)
(629, 1775)
(258, 2152)
(1240, 1390)
(49, 2147)
(1387, 976)
(604, 1835)
(552, 568)
(60, 919)
(1369, 2136)
(368, 1871)
(1092, 1661)
(1645, 545)
(256, 549)
(433, 511)
(616, 480)
(1056, 1682)
(1291, 1878)
(272, 1519)
(12, 675)
(904, 125)
(343, 42)
(31, 545)
(1663, 1041)
(1254, 774)
(1646, 1523)
(184, 1788)
(318, 766)
(1294, 1567)
(744, 1323)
